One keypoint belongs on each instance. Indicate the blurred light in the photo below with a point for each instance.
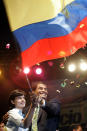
(71, 67)
(85, 83)
(0, 72)
(83, 66)
(26, 70)
(38, 71)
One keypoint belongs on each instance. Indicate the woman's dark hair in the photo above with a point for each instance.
(13, 95)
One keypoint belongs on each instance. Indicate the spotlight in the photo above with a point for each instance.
(38, 71)
(26, 70)
(71, 67)
(83, 66)
(85, 83)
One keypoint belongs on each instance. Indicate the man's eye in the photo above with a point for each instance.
(40, 88)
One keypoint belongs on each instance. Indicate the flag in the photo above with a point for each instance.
(47, 29)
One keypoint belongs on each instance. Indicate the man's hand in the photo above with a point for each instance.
(5, 117)
(41, 101)
(36, 99)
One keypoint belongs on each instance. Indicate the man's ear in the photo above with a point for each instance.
(12, 102)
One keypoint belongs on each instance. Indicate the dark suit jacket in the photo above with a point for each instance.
(48, 116)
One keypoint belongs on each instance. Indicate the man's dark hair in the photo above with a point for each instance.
(34, 85)
(13, 95)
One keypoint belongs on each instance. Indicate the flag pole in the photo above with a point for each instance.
(28, 81)
(26, 71)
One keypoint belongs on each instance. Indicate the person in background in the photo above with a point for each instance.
(76, 127)
(2, 127)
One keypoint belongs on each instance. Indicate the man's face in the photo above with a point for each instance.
(41, 90)
(19, 102)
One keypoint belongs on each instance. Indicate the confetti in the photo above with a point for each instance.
(7, 46)
(72, 82)
(78, 86)
(73, 50)
(38, 64)
(64, 58)
(50, 63)
(17, 68)
(85, 83)
(65, 79)
(58, 91)
(63, 84)
(62, 53)
(20, 70)
(62, 65)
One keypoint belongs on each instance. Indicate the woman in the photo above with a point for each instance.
(16, 117)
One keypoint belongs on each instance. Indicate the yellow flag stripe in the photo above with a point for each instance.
(24, 12)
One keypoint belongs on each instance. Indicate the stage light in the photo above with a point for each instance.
(85, 83)
(26, 70)
(71, 67)
(38, 71)
(83, 66)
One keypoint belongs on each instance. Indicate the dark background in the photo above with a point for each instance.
(54, 74)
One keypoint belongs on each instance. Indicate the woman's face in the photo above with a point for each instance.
(19, 102)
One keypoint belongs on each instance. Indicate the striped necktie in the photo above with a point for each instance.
(35, 118)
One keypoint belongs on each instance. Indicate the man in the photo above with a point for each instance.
(48, 116)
